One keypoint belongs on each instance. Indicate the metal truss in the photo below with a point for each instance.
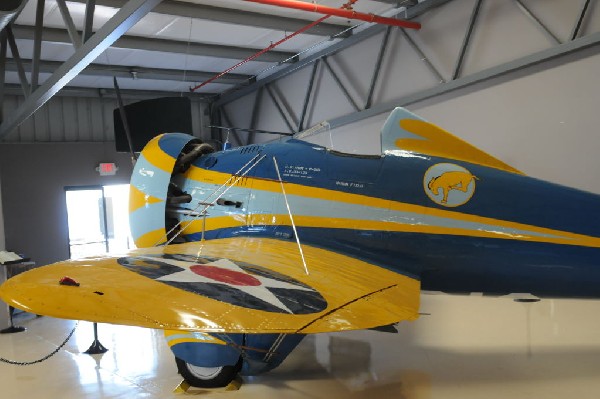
(91, 46)
(457, 79)
(318, 61)
(85, 51)
(154, 44)
(90, 92)
(408, 14)
(132, 72)
(575, 44)
(230, 16)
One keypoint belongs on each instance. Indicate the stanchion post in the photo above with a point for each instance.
(12, 328)
(96, 347)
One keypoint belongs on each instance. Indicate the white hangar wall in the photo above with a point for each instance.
(544, 124)
(536, 115)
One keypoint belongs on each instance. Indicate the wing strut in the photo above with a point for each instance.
(287, 204)
(243, 171)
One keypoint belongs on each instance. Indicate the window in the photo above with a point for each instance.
(98, 220)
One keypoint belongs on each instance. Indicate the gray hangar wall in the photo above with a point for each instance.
(60, 146)
(2, 244)
(34, 177)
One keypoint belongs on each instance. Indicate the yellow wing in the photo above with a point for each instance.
(251, 285)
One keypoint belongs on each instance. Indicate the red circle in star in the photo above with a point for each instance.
(225, 276)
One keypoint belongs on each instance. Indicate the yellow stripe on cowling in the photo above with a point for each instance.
(441, 143)
(151, 238)
(139, 199)
(157, 157)
(206, 176)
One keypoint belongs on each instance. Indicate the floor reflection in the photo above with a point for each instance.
(467, 348)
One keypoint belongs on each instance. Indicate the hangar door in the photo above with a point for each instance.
(98, 220)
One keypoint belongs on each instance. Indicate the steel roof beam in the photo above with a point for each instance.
(3, 47)
(578, 24)
(466, 40)
(423, 57)
(70, 25)
(523, 65)
(309, 91)
(120, 23)
(90, 92)
(376, 74)
(339, 84)
(164, 45)
(412, 12)
(134, 72)
(90, 7)
(14, 49)
(37, 44)
(230, 16)
(254, 116)
(279, 108)
(236, 136)
(537, 21)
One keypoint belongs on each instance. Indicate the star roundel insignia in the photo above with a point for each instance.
(233, 282)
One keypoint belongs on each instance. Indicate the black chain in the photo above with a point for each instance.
(54, 352)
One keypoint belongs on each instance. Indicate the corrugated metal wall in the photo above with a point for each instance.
(79, 119)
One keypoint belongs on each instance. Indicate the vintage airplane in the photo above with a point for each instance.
(245, 251)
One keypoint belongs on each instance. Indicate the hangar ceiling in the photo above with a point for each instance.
(167, 47)
(461, 44)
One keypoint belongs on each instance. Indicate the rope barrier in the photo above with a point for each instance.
(54, 352)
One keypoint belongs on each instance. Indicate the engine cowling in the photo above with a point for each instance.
(152, 189)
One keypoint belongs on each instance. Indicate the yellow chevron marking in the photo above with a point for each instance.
(138, 199)
(188, 337)
(441, 143)
(157, 157)
(151, 238)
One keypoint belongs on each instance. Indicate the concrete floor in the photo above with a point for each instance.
(467, 347)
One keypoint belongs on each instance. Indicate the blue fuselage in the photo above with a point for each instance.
(497, 233)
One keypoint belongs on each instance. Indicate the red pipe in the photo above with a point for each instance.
(302, 5)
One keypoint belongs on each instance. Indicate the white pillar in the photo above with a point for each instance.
(4, 317)
(2, 242)
(4, 320)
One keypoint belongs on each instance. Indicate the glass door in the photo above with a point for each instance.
(98, 220)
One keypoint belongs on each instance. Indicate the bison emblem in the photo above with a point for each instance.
(449, 185)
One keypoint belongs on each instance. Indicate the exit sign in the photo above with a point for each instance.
(107, 169)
